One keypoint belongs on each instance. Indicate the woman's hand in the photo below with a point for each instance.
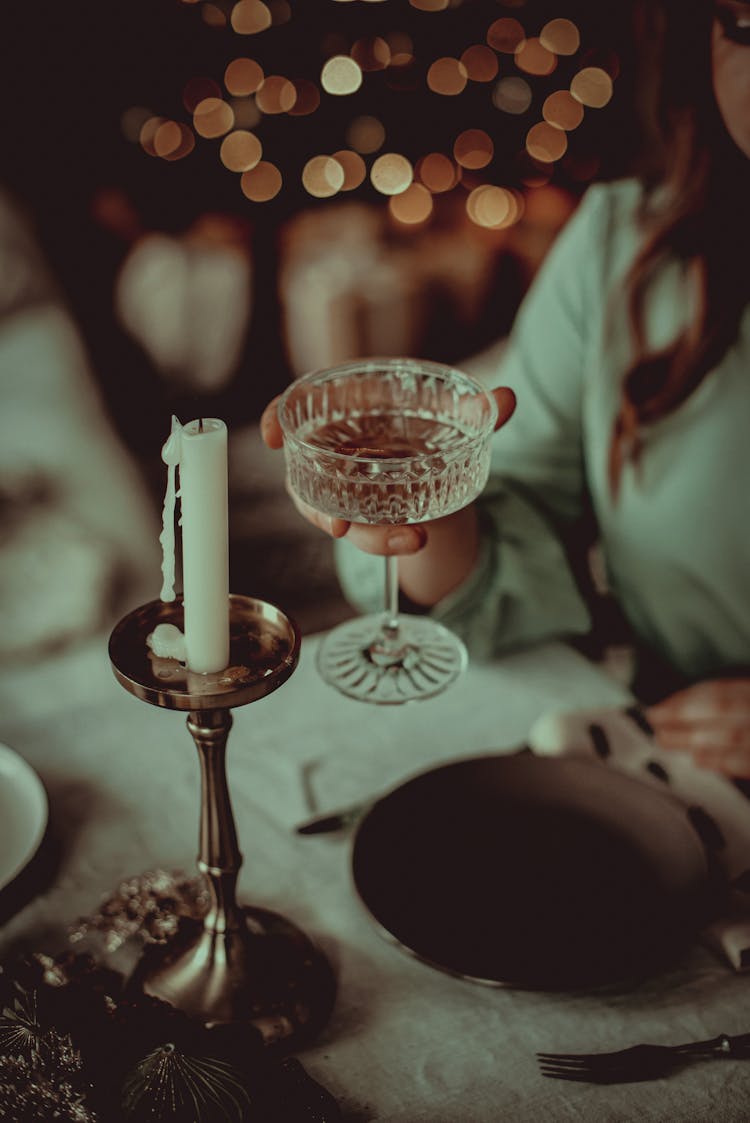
(374, 539)
(711, 721)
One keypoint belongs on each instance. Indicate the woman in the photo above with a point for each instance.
(631, 363)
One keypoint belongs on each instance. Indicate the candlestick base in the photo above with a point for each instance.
(241, 964)
(262, 971)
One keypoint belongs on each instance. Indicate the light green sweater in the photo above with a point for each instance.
(677, 541)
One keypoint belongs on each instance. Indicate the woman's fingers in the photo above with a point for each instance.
(506, 404)
(709, 720)
(270, 430)
(387, 540)
(705, 700)
(370, 539)
(337, 528)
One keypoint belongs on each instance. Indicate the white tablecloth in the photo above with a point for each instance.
(405, 1044)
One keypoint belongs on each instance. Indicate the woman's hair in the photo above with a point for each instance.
(695, 209)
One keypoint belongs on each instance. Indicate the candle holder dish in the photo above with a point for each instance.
(241, 963)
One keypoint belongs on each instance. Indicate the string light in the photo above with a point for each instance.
(249, 17)
(413, 206)
(322, 177)
(480, 63)
(341, 75)
(560, 36)
(447, 76)
(592, 86)
(212, 117)
(276, 95)
(353, 166)
(562, 110)
(262, 183)
(391, 174)
(473, 149)
(240, 151)
(243, 76)
(437, 172)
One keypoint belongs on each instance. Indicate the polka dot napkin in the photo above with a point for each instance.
(715, 806)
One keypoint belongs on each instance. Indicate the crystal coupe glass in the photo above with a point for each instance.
(387, 442)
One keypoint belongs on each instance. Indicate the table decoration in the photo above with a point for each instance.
(77, 1048)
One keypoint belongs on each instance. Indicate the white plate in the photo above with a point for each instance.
(23, 814)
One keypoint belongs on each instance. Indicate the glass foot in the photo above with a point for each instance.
(424, 659)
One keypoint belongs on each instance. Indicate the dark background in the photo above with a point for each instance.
(72, 69)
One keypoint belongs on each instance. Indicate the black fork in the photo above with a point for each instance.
(639, 1062)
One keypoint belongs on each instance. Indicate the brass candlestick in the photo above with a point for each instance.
(240, 963)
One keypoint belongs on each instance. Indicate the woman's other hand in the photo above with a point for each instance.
(711, 721)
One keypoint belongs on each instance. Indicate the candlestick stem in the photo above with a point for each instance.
(219, 857)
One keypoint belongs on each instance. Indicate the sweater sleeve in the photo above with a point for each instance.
(523, 588)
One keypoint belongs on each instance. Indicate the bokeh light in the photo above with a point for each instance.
(197, 90)
(402, 48)
(148, 131)
(488, 205)
(240, 151)
(533, 58)
(512, 95)
(429, 5)
(307, 98)
(212, 117)
(365, 134)
(246, 112)
(562, 110)
(505, 35)
(322, 177)
(371, 53)
(592, 87)
(604, 58)
(473, 149)
(341, 75)
(250, 17)
(213, 16)
(281, 11)
(354, 168)
(480, 63)
(276, 95)
(437, 172)
(262, 183)
(545, 142)
(560, 36)
(391, 173)
(173, 140)
(412, 206)
(447, 76)
(133, 120)
(243, 76)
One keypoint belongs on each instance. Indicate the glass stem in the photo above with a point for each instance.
(390, 617)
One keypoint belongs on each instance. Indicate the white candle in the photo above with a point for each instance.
(205, 544)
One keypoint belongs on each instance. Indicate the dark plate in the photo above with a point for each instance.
(550, 873)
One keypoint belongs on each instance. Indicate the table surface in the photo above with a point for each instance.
(405, 1043)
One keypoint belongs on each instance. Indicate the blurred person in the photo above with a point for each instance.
(78, 534)
(630, 359)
